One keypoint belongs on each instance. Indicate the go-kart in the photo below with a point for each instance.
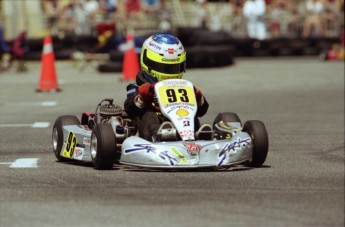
(109, 136)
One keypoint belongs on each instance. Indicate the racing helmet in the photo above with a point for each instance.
(163, 57)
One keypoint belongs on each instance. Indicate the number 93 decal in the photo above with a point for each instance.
(71, 143)
(176, 95)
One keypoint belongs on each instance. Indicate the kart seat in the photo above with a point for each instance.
(166, 132)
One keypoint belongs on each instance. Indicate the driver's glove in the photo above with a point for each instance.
(146, 93)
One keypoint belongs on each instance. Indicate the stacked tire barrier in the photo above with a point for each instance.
(204, 48)
(64, 47)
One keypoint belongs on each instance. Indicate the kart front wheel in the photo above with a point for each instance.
(57, 135)
(103, 146)
(227, 117)
(259, 136)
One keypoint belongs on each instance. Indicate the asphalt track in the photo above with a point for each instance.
(300, 100)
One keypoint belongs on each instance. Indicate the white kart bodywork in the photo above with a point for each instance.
(177, 102)
(181, 147)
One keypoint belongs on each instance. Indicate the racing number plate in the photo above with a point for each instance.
(71, 143)
(181, 94)
(177, 102)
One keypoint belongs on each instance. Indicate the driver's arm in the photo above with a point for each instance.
(132, 103)
(202, 103)
(202, 107)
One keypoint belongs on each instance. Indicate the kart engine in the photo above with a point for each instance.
(108, 110)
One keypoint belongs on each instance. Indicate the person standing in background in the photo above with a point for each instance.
(254, 12)
(313, 21)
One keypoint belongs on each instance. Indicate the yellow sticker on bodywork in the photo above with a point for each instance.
(179, 156)
(71, 143)
(176, 95)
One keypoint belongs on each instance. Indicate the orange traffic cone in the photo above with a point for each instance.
(48, 78)
(130, 66)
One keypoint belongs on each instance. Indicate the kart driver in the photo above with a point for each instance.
(157, 54)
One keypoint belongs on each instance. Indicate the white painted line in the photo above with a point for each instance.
(40, 125)
(14, 125)
(25, 163)
(34, 125)
(48, 103)
(44, 103)
(5, 163)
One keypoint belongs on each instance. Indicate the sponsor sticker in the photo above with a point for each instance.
(78, 153)
(179, 155)
(182, 112)
(71, 143)
(192, 147)
(170, 51)
(186, 123)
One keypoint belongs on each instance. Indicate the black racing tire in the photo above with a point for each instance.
(285, 51)
(311, 51)
(209, 56)
(110, 67)
(258, 133)
(187, 34)
(103, 146)
(64, 54)
(227, 117)
(297, 46)
(211, 38)
(116, 56)
(34, 44)
(57, 134)
(224, 117)
(33, 56)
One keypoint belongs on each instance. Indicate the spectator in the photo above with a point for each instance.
(151, 10)
(236, 17)
(165, 20)
(238, 6)
(202, 12)
(313, 21)
(3, 45)
(4, 51)
(132, 7)
(331, 17)
(278, 15)
(67, 20)
(254, 12)
(295, 20)
(19, 50)
(52, 10)
(132, 13)
(108, 7)
(74, 19)
(91, 7)
(151, 6)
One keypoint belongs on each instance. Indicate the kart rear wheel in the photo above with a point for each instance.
(258, 133)
(103, 146)
(57, 135)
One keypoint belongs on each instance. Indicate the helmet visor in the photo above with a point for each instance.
(164, 68)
